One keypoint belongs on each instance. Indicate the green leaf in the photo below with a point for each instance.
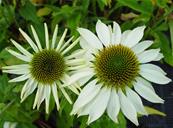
(144, 6)
(152, 111)
(171, 33)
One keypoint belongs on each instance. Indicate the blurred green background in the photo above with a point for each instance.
(157, 15)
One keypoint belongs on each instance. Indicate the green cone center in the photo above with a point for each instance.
(47, 66)
(116, 65)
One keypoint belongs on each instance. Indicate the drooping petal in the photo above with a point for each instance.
(86, 95)
(154, 74)
(148, 55)
(116, 34)
(92, 40)
(99, 105)
(47, 96)
(113, 107)
(140, 47)
(147, 93)
(134, 36)
(127, 108)
(55, 95)
(20, 78)
(136, 100)
(103, 33)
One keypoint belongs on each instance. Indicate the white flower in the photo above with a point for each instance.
(45, 68)
(8, 124)
(118, 62)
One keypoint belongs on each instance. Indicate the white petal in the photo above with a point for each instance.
(148, 55)
(21, 49)
(147, 93)
(64, 93)
(54, 36)
(48, 92)
(152, 67)
(55, 95)
(36, 38)
(92, 40)
(145, 83)
(159, 57)
(136, 101)
(30, 89)
(103, 33)
(99, 105)
(79, 76)
(13, 67)
(127, 108)
(61, 40)
(113, 107)
(140, 47)
(17, 71)
(66, 44)
(134, 36)
(46, 35)
(154, 74)
(20, 78)
(116, 35)
(86, 95)
(29, 40)
(124, 36)
(19, 56)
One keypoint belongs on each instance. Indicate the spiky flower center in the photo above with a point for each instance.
(47, 66)
(116, 66)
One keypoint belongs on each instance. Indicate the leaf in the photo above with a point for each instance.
(28, 12)
(43, 11)
(140, 6)
(152, 111)
(171, 33)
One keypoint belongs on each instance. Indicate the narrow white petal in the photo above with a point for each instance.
(127, 108)
(29, 90)
(21, 49)
(147, 93)
(140, 47)
(113, 107)
(54, 36)
(103, 33)
(36, 38)
(136, 100)
(154, 74)
(29, 40)
(66, 44)
(145, 83)
(70, 46)
(65, 93)
(61, 40)
(46, 35)
(91, 38)
(47, 96)
(86, 95)
(99, 105)
(17, 71)
(134, 36)
(6, 125)
(20, 66)
(20, 78)
(124, 36)
(116, 35)
(55, 95)
(148, 55)
(39, 96)
(76, 54)
(19, 56)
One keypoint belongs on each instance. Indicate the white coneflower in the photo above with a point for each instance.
(118, 63)
(8, 124)
(46, 68)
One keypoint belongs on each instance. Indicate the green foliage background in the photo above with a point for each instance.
(155, 14)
